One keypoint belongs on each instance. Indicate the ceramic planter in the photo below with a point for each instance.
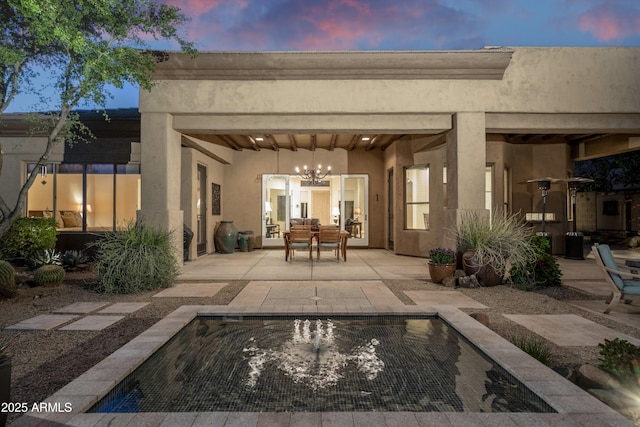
(439, 272)
(226, 237)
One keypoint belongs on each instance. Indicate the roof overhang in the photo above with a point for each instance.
(481, 64)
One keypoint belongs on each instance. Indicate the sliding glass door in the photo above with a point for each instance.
(275, 208)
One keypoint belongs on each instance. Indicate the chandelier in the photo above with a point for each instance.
(313, 175)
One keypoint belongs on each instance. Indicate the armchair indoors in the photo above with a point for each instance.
(623, 281)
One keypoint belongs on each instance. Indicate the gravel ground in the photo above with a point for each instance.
(44, 361)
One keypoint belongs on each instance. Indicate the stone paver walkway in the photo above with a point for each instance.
(92, 323)
(191, 290)
(454, 298)
(95, 322)
(123, 308)
(568, 330)
(43, 321)
(82, 307)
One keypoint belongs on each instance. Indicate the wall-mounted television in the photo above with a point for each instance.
(610, 207)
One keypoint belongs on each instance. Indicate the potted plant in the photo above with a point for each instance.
(490, 245)
(442, 264)
(5, 381)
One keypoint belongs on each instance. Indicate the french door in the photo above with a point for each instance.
(341, 199)
(354, 208)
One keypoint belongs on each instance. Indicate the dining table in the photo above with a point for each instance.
(344, 238)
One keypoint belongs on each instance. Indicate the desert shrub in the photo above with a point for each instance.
(26, 236)
(49, 275)
(7, 280)
(135, 259)
(44, 257)
(75, 260)
(543, 271)
(621, 359)
(534, 347)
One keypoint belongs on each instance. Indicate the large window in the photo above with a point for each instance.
(81, 197)
(416, 208)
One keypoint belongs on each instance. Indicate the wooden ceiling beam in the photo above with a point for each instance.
(253, 142)
(334, 141)
(230, 142)
(372, 143)
(272, 141)
(354, 141)
(294, 143)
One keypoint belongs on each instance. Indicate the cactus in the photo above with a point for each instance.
(44, 257)
(74, 260)
(49, 275)
(7, 280)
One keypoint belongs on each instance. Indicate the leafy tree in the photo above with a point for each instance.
(85, 45)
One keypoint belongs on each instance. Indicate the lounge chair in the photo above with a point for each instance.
(623, 281)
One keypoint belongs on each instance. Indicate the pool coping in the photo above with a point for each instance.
(573, 405)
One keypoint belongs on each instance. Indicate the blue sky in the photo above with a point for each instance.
(312, 25)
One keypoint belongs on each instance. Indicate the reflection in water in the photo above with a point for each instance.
(316, 360)
(368, 363)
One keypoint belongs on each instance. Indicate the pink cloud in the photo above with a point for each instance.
(608, 22)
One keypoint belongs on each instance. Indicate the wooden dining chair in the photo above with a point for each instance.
(300, 239)
(329, 238)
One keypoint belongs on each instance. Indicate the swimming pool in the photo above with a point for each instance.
(319, 363)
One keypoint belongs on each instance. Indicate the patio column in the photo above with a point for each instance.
(160, 174)
(466, 162)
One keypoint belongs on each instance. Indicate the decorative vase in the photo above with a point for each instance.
(5, 387)
(470, 263)
(439, 272)
(485, 274)
(226, 237)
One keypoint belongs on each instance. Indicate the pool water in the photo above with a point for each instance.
(305, 364)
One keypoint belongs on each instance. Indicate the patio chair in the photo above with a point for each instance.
(329, 238)
(623, 281)
(300, 239)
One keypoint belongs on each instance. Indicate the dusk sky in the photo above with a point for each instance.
(313, 25)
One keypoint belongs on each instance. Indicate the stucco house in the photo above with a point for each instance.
(413, 139)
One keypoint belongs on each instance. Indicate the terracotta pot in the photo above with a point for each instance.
(439, 272)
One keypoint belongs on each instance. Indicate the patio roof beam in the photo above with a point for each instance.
(354, 141)
(272, 142)
(230, 142)
(334, 140)
(253, 142)
(294, 143)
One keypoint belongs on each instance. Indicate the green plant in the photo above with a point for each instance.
(7, 280)
(620, 358)
(442, 256)
(44, 257)
(135, 259)
(534, 347)
(542, 271)
(49, 275)
(26, 236)
(498, 241)
(74, 260)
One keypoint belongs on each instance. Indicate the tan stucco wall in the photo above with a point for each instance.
(18, 151)
(543, 90)
(544, 80)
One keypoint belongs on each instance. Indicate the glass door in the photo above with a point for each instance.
(201, 211)
(275, 208)
(354, 208)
